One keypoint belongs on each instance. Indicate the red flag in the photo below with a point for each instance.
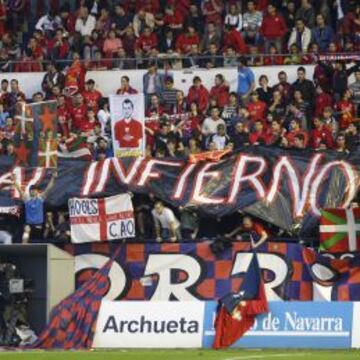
(214, 155)
(237, 312)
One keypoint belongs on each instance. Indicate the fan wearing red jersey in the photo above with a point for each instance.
(128, 131)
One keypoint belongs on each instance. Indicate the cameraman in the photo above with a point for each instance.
(34, 208)
(258, 234)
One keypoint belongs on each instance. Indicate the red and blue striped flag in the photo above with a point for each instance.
(73, 321)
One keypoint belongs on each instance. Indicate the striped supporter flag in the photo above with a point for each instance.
(73, 321)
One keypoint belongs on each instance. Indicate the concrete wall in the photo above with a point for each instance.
(109, 81)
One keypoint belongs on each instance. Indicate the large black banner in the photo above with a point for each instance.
(283, 188)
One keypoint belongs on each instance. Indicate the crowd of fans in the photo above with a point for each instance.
(206, 33)
(317, 113)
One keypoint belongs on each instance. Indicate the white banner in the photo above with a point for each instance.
(101, 219)
(181, 324)
(10, 210)
(355, 341)
(127, 124)
(138, 324)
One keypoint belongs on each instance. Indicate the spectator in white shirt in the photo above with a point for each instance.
(300, 36)
(219, 140)
(104, 117)
(234, 18)
(211, 123)
(252, 20)
(48, 23)
(167, 226)
(85, 23)
(141, 19)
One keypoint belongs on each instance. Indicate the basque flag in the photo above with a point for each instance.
(340, 230)
(73, 321)
(237, 311)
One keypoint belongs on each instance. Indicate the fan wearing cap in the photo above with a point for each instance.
(34, 208)
(128, 131)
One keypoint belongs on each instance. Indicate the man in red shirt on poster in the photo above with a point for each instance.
(128, 131)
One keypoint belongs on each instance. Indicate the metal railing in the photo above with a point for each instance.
(176, 61)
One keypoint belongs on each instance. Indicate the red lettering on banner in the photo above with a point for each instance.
(197, 195)
(239, 176)
(79, 220)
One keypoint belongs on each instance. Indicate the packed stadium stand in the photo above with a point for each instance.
(67, 42)
(191, 150)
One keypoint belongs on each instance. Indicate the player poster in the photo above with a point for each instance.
(127, 125)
